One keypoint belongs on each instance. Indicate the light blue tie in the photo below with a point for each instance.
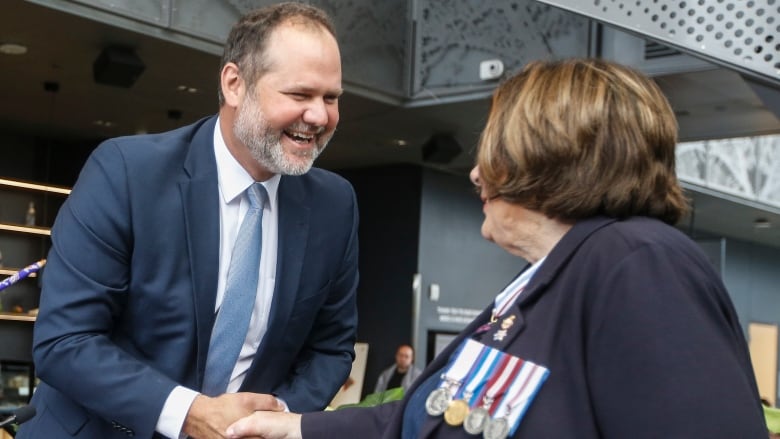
(234, 314)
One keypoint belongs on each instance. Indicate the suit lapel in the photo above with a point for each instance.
(293, 235)
(294, 216)
(200, 199)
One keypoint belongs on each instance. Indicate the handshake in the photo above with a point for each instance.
(241, 415)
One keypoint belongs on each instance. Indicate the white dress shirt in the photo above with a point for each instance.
(233, 181)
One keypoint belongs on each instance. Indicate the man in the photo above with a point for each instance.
(141, 251)
(401, 374)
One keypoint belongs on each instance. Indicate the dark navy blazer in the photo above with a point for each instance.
(129, 288)
(638, 333)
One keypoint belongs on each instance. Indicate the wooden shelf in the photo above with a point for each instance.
(11, 271)
(17, 317)
(24, 242)
(34, 186)
(35, 230)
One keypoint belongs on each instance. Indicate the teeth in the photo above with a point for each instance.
(300, 137)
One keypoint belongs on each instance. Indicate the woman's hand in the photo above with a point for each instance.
(267, 425)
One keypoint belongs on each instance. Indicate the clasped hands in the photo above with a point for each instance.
(241, 415)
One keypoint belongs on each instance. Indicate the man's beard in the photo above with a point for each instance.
(265, 144)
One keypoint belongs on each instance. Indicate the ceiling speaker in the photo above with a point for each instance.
(117, 66)
(441, 149)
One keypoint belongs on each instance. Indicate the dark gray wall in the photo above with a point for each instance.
(389, 203)
(752, 277)
(418, 220)
(469, 270)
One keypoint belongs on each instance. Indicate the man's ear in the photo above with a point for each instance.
(232, 84)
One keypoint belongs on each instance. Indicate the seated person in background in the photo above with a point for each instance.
(401, 374)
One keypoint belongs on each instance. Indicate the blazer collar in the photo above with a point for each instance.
(553, 264)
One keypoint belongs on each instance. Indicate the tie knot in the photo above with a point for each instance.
(257, 196)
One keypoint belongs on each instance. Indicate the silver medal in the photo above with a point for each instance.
(475, 420)
(437, 402)
(496, 429)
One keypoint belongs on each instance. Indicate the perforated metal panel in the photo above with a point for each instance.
(452, 38)
(742, 34)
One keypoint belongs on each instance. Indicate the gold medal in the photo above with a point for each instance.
(456, 412)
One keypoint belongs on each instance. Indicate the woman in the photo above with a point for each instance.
(619, 328)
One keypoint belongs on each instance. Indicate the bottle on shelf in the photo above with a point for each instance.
(29, 219)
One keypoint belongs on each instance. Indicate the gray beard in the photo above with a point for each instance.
(265, 145)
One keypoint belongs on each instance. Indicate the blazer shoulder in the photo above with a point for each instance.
(164, 151)
(320, 186)
(157, 144)
(323, 177)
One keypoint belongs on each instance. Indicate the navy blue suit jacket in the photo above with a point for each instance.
(637, 331)
(128, 295)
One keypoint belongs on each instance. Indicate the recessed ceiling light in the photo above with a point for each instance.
(104, 123)
(187, 88)
(12, 49)
(762, 223)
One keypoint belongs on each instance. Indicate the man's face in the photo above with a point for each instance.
(404, 357)
(288, 116)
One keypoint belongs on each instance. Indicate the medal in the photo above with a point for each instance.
(505, 325)
(511, 408)
(456, 412)
(496, 429)
(459, 407)
(475, 420)
(437, 401)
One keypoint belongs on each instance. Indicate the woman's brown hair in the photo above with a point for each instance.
(582, 137)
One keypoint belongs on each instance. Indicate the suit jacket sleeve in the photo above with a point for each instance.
(362, 422)
(84, 291)
(665, 336)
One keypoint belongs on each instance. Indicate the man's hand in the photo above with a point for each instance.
(267, 425)
(209, 417)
